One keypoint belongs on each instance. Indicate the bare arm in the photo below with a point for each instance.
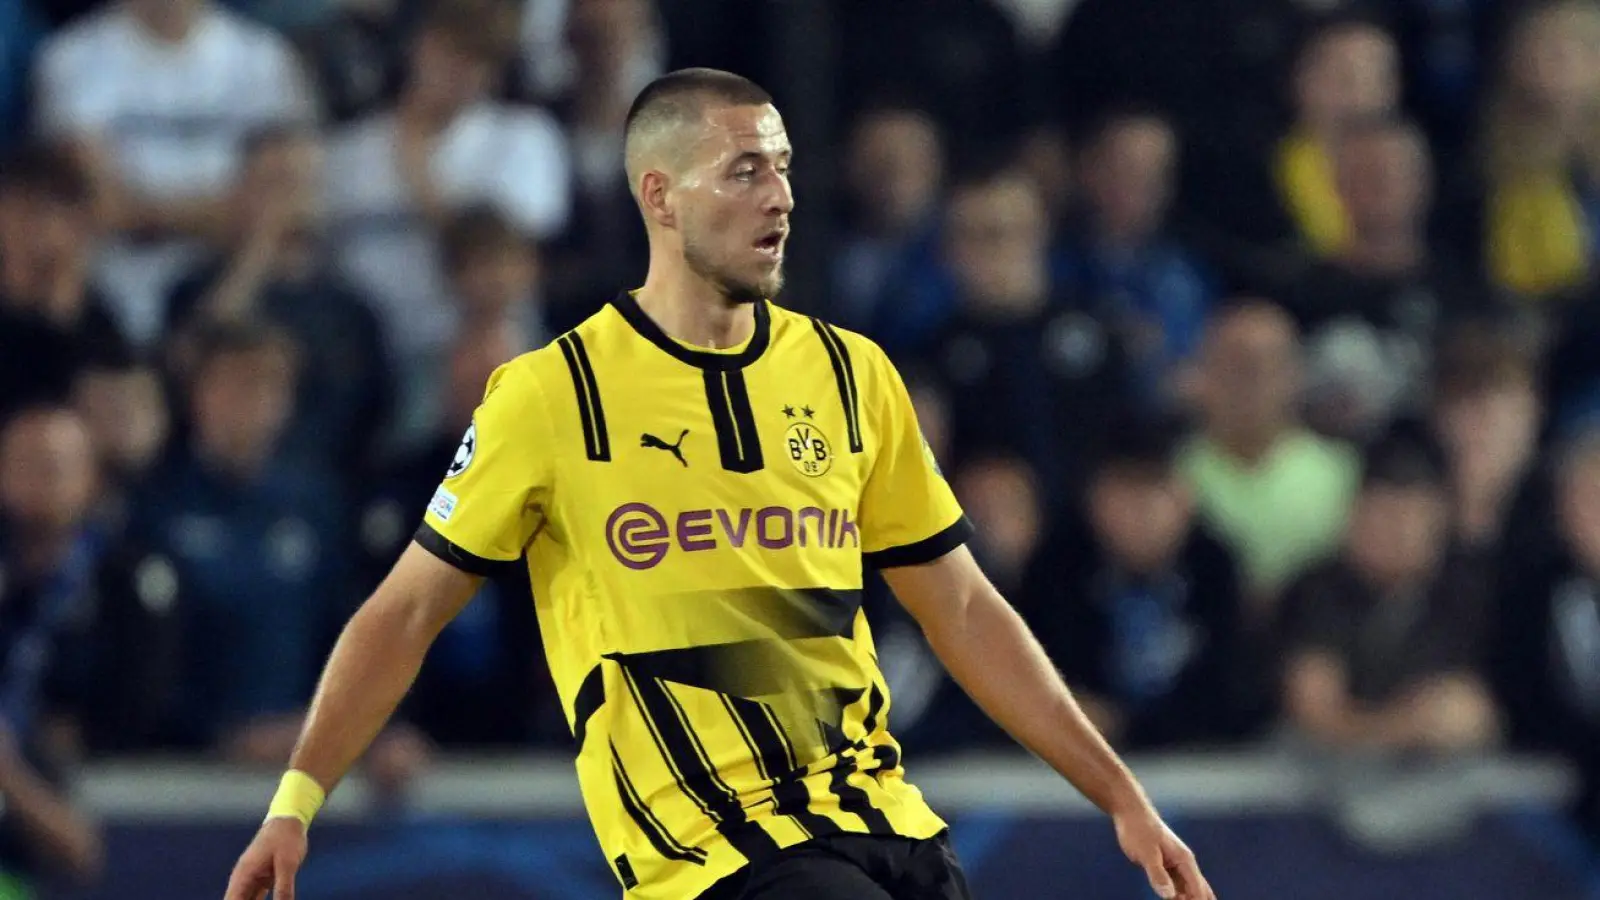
(990, 652)
(61, 834)
(1448, 710)
(376, 660)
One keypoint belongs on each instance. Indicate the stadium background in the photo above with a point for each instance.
(1286, 305)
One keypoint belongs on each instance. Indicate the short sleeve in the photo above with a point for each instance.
(909, 515)
(491, 501)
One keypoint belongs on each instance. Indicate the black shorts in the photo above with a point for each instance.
(851, 867)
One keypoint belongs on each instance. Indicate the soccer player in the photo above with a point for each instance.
(694, 478)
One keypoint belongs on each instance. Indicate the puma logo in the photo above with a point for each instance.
(655, 443)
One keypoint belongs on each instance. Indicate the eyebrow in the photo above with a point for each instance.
(758, 156)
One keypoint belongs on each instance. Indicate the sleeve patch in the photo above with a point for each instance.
(443, 504)
(464, 453)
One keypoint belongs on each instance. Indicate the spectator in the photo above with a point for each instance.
(1122, 264)
(1138, 606)
(1025, 371)
(1348, 69)
(893, 171)
(1385, 645)
(1371, 310)
(124, 405)
(1273, 492)
(49, 316)
(1547, 670)
(396, 177)
(485, 654)
(615, 47)
(48, 551)
(1001, 494)
(255, 550)
(156, 95)
(1542, 140)
(1488, 414)
(273, 268)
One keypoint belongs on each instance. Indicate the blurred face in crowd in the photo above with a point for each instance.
(43, 240)
(997, 235)
(242, 402)
(1578, 501)
(1492, 427)
(729, 200)
(1002, 497)
(494, 280)
(606, 35)
(895, 166)
(1384, 179)
(1249, 378)
(1140, 515)
(127, 416)
(47, 471)
(283, 176)
(1127, 176)
(473, 358)
(1346, 73)
(1398, 533)
(447, 76)
(1554, 63)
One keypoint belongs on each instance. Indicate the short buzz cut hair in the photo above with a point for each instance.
(680, 98)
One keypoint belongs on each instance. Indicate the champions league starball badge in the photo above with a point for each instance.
(464, 453)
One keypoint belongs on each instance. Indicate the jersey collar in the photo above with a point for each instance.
(650, 331)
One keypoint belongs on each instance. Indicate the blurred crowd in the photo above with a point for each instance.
(1253, 335)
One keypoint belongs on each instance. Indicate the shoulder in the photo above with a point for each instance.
(864, 355)
(84, 41)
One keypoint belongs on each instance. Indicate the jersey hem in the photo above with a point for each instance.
(450, 552)
(924, 551)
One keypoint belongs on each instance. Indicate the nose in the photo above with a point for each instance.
(780, 200)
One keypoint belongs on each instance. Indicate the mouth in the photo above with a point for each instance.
(771, 244)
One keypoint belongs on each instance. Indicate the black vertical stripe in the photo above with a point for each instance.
(661, 839)
(595, 439)
(738, 441)
(692, 767)
(775, 758)
(845, 374)
(851, 798)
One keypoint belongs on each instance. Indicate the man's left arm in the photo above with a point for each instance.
(913, 531)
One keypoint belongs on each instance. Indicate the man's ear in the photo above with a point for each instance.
(655, 198)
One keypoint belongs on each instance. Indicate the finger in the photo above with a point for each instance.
(1160, 880)
(283, 881)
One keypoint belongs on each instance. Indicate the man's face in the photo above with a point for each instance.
(1397, 532)
(1383, 179)
(47, 471)
(1128, 178)
(1140, 517)
(997, 238)
(1349, 73)
(444, 75)
(43, 238)
(242, 403)
(895, 166)
(1250, 370)
(127, 415)
(732, 201)
(1555, 58)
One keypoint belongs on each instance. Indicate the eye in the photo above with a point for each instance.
(744, 173)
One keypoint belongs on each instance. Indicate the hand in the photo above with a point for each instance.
(270, 862)
(1170, 865)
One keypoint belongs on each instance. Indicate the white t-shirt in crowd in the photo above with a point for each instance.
(171, 115)
(512, 158)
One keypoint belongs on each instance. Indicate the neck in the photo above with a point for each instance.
(1393, 250)
(243, 466)
(430, 118)
(692, 310)
(1248, 445)
(40, 551)
(172, 22)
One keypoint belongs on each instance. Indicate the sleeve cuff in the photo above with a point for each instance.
(471, 563)
(924, 551)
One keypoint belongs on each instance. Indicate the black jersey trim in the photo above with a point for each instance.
(738, 439)
(596, 442)
(924, 551)
(774, 756)
(452, 553)
(655, 832)
(722, 362)
(844, 373)
(591, 696)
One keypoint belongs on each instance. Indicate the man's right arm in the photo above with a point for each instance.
(376, 660)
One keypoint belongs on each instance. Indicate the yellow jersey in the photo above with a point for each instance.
(695, 524)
